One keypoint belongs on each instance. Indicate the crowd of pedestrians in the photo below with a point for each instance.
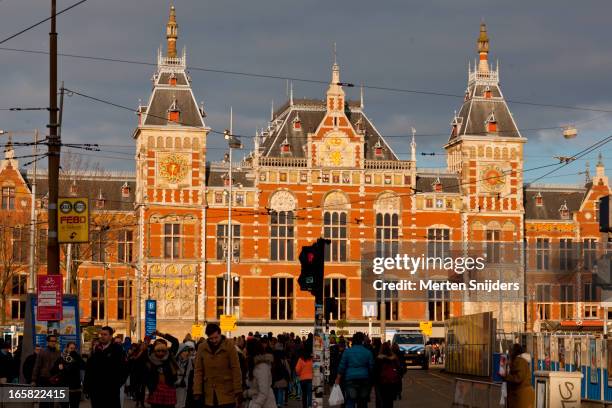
(254, 371)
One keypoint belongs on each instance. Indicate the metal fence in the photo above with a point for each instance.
(477, 394)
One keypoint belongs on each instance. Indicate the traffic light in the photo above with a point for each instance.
(312, 259)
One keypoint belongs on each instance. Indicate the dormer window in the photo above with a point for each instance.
(172, 80)
(487, 92)
(74, 190)
(564, 212)
(491, 123)
(285, 148)
(174, 113)
(378, 149)
(100, 200)
(226, 180)
(297, 123)
(539, 201)
(125, 190)
(359, 126)
(456, 125)
(437, 185)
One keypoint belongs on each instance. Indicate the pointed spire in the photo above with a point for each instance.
(361, 103)
(413, 146)
(172, 33)
(231, 123)
(587, 172)
(599, 160)
(272, 111)
(600, 170)
(335, 68)
(9, 151)
(483, 48)
(291, 93)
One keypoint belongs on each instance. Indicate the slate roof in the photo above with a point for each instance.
(552, 200)
(450, 182)
(311, 113)
(162, 98)
(89, 186)
(216, 173)
(476, 109)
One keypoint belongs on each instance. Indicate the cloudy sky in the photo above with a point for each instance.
(550, 52)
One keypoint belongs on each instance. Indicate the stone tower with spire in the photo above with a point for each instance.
(170, 179)
(485, 149)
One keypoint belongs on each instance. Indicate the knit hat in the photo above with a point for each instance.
(184, 346)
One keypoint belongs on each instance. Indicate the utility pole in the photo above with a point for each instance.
(53, 249)
(32, 283)
(139, 270)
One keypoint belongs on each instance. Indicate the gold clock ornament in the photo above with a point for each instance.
(493, 178)
(173, 168)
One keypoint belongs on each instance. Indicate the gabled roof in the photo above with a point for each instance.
(311, 112)
(553, 198)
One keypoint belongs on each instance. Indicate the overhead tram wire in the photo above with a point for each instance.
(306, 80)
(41, 22)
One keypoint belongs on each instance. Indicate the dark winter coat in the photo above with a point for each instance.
(70, 371)
(105, 373)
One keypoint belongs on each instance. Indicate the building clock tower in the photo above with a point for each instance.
(170, 180)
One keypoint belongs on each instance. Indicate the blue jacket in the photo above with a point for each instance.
(357, 363)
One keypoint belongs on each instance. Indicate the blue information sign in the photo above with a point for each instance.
(68, 329)
(150, 317)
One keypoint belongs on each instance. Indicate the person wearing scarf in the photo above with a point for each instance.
(160, 376)
(184, 381)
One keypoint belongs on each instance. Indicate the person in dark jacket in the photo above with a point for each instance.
(105, 372)
(41, 375)
(7, 364)
(160, 376)
(388, 376)
(28, 365)
(69, 367)
(136, 368)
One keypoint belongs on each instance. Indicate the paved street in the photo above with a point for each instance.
(422, 389)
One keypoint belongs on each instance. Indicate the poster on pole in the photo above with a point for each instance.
(49, 294)
(150, 317)
(73, 220)
(67, 329)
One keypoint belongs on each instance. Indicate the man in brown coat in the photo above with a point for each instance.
(217, 377)
(520, 391)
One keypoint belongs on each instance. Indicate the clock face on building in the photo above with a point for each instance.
(492, 178)
(173, 168)
(336, 151)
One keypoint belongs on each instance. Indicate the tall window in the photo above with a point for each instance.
(97, 299)
(543, 302)
(235, 296)
(566, 254)
(281, 301)
(438, 242)
(172, 241)
(282, 235)
(8, 198)
(222, 238)
(438, 304)
(542, 253)
(98, 246)
(567, 298)
(590, 310)
(493, 246)
(18, 291)
(387, 235)
(124, 299)
(21, 245)
(336, 288)
(589, 252)
(41, 245)
(391, 304)
(334, 228)
(125, 246)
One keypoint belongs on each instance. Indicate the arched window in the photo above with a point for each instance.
(335, 226)
(387, 235)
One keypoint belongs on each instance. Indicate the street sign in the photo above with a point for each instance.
(228, 323)
(426, 328)
(49, 293)
(73, 220)
(197, 331)
(369, 309)
(150, 317)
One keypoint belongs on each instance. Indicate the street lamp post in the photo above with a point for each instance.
(233, 143)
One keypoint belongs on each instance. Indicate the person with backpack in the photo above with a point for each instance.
(281, 374)
(388, 376)
(355, 369)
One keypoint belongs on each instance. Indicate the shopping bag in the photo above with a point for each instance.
(336, 397)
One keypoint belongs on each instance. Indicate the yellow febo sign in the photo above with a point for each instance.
(228, 323)
(425, 328)
(197, 331)
(73, 220)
